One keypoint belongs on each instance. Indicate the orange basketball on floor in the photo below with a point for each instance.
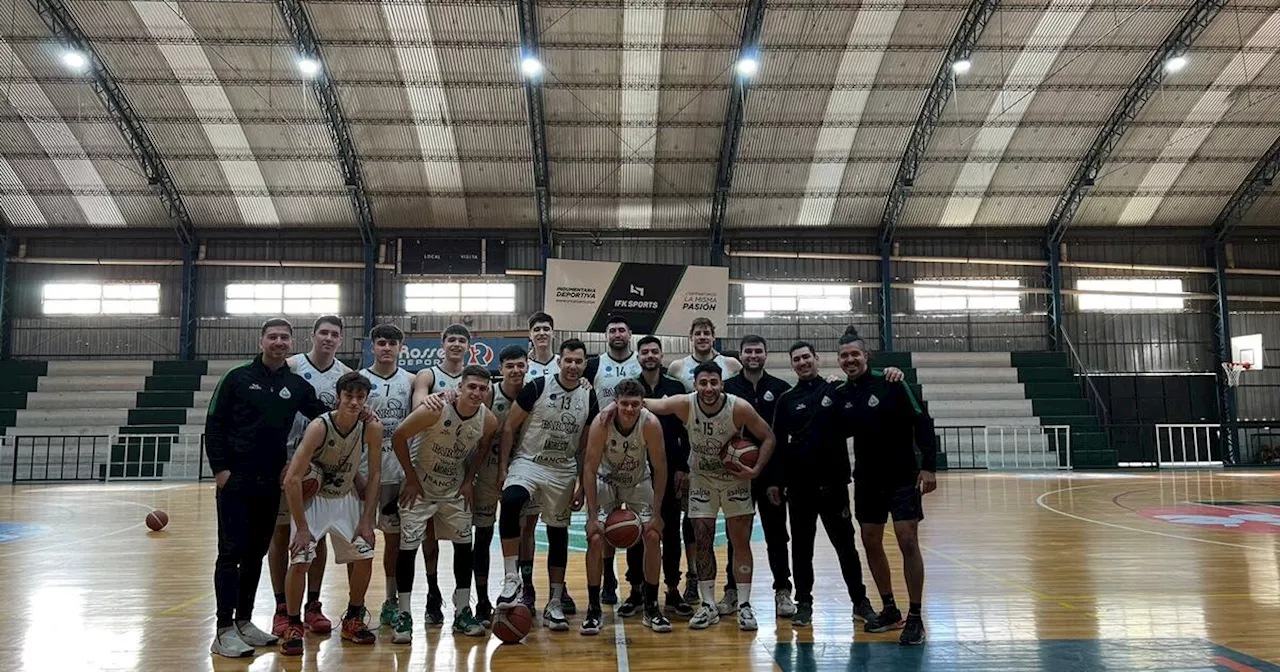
(622, 529)
(744, 452)
(156, 520)
(512, 625)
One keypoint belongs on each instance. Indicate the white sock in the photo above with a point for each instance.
(391, 588)
(557, 590)
(744, 593)
(404, 600)
(511, 565)
(461, 598)
(707, 590)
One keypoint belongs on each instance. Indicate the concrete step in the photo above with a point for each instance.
(100, 367)
(956, 391)
(89, 430)
(972, 375)
(923, 360)
(989, 408)
(56, 401)
(53, 421)
(93, 383)
(981, 421)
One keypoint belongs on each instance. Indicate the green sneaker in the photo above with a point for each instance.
(403, 629)
(390, 611)
(467, 624)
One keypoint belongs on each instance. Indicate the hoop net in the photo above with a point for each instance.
(1233, 370)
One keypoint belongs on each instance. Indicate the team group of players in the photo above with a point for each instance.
(560, 430)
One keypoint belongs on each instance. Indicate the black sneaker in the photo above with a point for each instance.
(913, 633)
(804, 615)
(655, 620)
(484, 613)
(567, 605)
(591, 623)
(889, 619)
(676, 603)
(633, 603)
(435, 612)
(609, 592)
(863, 611)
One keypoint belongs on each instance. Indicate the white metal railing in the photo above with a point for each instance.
(155, 457)
(1027, 446)
(1187, 445)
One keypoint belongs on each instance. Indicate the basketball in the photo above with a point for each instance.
(622, 529)
(156, 520)
(512, 625)
(744, 452)
(310, 481)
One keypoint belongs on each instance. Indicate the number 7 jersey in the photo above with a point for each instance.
(391, 399)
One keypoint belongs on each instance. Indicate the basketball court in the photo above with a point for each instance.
(1035, 571)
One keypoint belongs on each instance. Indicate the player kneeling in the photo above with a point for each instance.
(625, 463)
(335, 444)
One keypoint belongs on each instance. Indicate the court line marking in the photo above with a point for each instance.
(620, 643)
(183, 605)
(1234, 665)
(1223, 506)
(69, 542)
(1040, 502)
(1088, 611)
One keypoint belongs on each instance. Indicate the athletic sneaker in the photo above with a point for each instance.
(804, 615)
(591, 624)
(403, 633)
(390, 612)
(889, 619)
(355, 631)
(729, 603)
(228, 644)
(705, 617)
(633, 603)
(251, 635)
(434, 615)
(313, 618)
(863, 611)
(484, 613)
(553, 616)
(676, 603)
(913, 633)
(691, 596)
(567, 605)
(280, 620)
(782, 604)
(655, 620)
(609, 592)
(510, 594)
(747, 618)
(467, 624)
(291, 643)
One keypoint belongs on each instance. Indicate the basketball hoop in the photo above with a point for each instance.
(1234, 369)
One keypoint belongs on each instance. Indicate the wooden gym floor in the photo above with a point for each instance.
(1112, 571)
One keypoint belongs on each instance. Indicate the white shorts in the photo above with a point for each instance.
(389, 508)
(707, 497)
(550, 490)
(638, 498)
(484, 502)
(453, 522)
(337, 517)
(282, 512)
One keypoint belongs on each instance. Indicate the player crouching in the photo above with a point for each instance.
(625, 463)
(335, 445)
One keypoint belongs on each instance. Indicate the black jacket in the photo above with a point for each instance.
(811, 449)
(887, 425)
(250, 416)
(763, 397)
(674, 435)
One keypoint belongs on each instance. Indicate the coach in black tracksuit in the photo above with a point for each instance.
(250, 415)
(814, 472)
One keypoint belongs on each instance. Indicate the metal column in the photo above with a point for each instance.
(369, 304)
(187, 312)
(1053, 277)
(886, 297)
(1222, 346)
(6, 291)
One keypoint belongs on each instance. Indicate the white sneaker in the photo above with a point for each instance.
(228, 644)
(251, 635)
(553, 616)
(705, 617)
(729, 603)
(747, 618)
(782, 604)
(510, 595)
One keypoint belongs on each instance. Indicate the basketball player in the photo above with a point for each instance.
(250, 415)
(322, 369)
(438, 485)
(712, 419)
(616, 472)
(887, 425)
(335, 444)
(543, 359)
(702, 338)
(455, 342)
(391, 399)
(551, 415)
(604, 372)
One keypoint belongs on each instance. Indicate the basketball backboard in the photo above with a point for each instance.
(1247, 349)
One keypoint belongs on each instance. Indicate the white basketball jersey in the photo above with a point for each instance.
(626, 457)
(539, 369)
(686, 372)
(325, 383)
(339, 457)
(501, 406)
(708, 435)
(392, 400)
(554, 426)
(445, 449)
(444, 381)
(610, 372)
